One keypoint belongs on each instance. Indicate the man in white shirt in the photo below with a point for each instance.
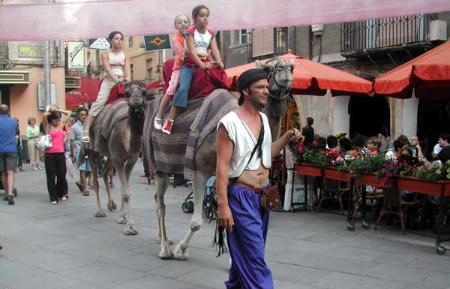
(244, 153)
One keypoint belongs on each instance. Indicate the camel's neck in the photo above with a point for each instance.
(136, 118)
(275, 111)
(274, 124)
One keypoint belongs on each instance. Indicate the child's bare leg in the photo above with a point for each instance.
(162, 105)
(173, 112)
(157, 123)
(87, 124)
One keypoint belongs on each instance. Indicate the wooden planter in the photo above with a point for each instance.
(372, 180)
(417, 185)
(308, 170)
(337, 175)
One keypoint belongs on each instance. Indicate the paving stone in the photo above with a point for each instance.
(66, 247)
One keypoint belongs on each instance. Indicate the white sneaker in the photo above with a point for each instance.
(54, 203)
(157, 123)
(64, 198)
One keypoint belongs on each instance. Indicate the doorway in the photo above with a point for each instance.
(4, 94)
(433, 120)
(369, 115)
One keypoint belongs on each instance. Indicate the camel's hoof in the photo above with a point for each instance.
(130, 230)
(165, 252)
(196, 224)
(122, 220)
(100, 214)
(112, 206)
(180, 253)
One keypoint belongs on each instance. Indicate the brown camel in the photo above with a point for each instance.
(117, 135)
(280, 78)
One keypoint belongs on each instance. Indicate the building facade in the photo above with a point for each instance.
(366, 49)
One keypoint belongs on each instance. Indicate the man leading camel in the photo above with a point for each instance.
(242, 175)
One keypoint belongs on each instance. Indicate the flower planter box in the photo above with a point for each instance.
(308, 170)
(446, 188)
(372, 180)
(423, 186)
(337, 175)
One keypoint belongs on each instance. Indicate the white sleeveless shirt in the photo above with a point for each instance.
(116, 63)
(244, 143)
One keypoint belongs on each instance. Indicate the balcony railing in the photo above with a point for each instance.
(371, 35)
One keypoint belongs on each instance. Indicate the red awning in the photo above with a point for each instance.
(87, 92)
(428, 74)
(314, 78)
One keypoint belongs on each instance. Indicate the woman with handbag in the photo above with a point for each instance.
(55, 161)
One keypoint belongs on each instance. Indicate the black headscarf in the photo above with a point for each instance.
(247, 78)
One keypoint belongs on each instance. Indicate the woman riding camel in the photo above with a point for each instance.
(117, 67)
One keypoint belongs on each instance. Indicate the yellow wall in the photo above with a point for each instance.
(24, 98)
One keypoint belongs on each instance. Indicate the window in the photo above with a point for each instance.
(281, 40)
(130, 41)
(239, 37)
(150, 73)
(132, 71)
(262, 42)
(149, 67)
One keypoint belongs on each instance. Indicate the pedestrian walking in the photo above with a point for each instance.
(8, 152)
(76, 140)
(55, 160)
(244, 155)
(32, 133)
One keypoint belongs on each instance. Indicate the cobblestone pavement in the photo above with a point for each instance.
(66, 247)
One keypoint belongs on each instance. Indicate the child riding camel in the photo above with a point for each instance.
(179, 43)
(200, 40)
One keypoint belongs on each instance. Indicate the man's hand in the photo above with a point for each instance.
(295, 134)
(225, 218)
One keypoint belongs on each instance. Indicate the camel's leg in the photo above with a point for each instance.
(161, 184)
(108, 167)
(181, 252)
(123, 171)
(95, 157)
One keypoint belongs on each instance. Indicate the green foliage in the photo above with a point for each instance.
(447, 164)
(368, 165)
(430, 172)
(315, 157)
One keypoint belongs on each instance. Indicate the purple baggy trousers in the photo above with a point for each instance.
(247, 240)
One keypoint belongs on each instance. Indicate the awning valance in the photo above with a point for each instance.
(14, 77)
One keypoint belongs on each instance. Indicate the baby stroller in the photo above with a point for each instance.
(209, 201)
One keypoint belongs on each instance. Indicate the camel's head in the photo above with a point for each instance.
(280, 75)
(135, 92)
